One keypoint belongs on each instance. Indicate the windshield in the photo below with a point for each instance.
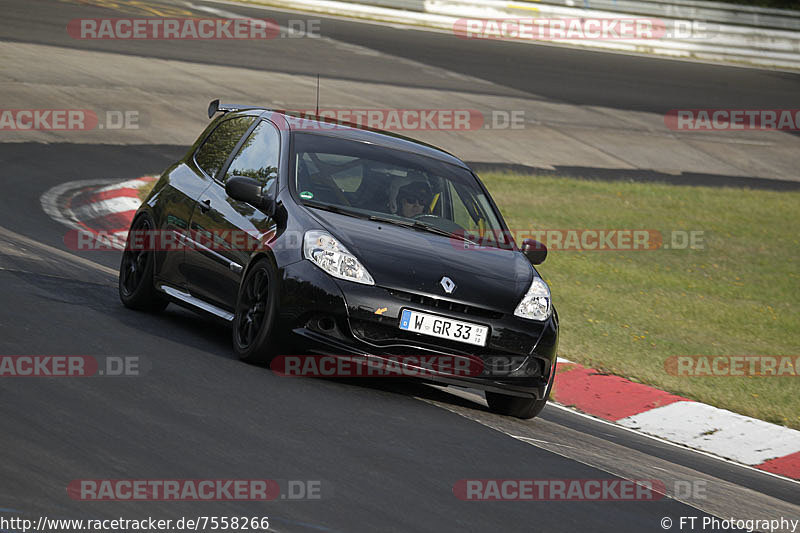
(362, 179)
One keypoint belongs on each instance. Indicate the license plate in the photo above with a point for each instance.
(443, 327)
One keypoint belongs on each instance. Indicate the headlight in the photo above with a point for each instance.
(535, 305)
(331, 256)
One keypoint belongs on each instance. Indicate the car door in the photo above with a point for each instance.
(186, 183)
(229, 230)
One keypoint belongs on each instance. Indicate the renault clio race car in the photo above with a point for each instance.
(314, 235)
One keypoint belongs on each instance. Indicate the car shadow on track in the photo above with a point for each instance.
(176, 323)
(212, 333)
(410, 387)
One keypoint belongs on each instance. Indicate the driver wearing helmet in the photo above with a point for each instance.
(412, 199)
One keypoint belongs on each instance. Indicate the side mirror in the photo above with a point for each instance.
(535, 251)
(249, 190)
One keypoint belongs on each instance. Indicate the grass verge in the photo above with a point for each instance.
(626, 312)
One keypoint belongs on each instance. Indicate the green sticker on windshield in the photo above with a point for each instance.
(306, 195)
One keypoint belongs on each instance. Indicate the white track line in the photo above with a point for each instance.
(477, 398)
(50, 200)
(697, 425)
(676, 445)
(49, 251)
(130, 184)
(106, 207)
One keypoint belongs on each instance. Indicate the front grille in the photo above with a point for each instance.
(387, 334)
(400, 342)
(446, 305)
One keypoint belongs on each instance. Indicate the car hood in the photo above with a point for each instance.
(415, 261)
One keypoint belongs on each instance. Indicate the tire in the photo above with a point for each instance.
(136, 289)
(256, 311)
(516, 406)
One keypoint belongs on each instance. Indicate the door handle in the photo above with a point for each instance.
(205, 205)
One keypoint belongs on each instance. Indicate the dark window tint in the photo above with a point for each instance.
(259, 155)
(219, 145)
(368, 179)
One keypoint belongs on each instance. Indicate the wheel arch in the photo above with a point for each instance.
(255, 258)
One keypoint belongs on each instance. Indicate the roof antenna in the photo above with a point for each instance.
(317, 110)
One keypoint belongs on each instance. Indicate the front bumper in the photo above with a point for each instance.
(319, 314)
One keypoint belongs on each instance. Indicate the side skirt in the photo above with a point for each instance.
(182, 297)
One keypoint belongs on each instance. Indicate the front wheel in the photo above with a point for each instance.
(254, 321)
(516, 406)
(136, 289)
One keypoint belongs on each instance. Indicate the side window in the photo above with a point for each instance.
(219, 145)
(259, 156)
(461, 214)
(437, 205)
(472, 212)
(346, 172)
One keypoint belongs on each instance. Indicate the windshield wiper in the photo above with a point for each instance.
(335, 209)
(413, 224)
(440, 231)
(396, 221)
(416, 224)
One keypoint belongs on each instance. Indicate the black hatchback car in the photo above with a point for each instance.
(327, 238)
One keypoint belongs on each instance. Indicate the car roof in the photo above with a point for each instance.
(355, 132)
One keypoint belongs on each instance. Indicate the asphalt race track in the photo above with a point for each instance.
(386, 455)
(584, 77)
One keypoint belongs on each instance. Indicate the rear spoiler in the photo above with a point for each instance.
(214, 107)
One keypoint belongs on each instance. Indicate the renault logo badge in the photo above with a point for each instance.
(448, 285)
